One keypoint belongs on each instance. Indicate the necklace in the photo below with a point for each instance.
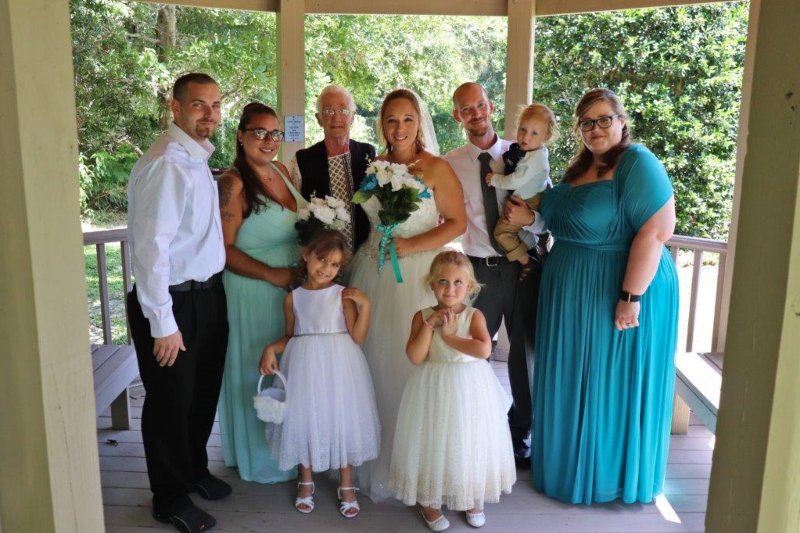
(407, 161)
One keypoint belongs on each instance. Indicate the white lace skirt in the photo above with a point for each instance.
(330, 420)
(393, 307)
(452, 445)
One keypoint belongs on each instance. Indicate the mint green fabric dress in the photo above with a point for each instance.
(255, 316)
(602, 397)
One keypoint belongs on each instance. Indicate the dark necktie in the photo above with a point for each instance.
(489, 199)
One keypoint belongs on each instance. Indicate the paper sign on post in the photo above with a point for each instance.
(294, 128)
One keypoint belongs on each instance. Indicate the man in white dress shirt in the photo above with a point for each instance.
(503, 295)
(177, 309)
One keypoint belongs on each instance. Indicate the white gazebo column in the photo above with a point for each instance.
(291, 67)
(755, 485)
(718, 338)
(48, 446)
(519, 71)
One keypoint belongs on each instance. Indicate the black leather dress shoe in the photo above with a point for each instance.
(187, 518)
(212, 488)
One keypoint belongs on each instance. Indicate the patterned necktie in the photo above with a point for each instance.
(489, 200)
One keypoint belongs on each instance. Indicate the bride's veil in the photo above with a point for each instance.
(425, 125)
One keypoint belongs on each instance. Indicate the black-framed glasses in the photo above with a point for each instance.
(342, 112)
(603, 122)
(261, 134)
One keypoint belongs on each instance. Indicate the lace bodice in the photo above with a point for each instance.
(440, 351)
(423, 219)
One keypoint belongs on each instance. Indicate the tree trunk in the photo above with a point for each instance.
(167, 37)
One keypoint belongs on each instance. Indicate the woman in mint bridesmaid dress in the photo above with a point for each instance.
(259, 209)
(607, 322)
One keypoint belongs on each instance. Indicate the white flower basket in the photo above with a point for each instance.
(270, 403)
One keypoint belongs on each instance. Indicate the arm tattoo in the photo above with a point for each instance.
(225, 192)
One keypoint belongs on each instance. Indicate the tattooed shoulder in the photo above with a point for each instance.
(227, 184)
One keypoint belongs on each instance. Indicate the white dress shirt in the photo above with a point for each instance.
(464, 160)
(174, 223)
(530, 177)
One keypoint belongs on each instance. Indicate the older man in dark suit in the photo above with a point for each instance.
(336, 165)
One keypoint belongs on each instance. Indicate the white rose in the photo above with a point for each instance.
(342, 214)
(335, 203)
(384, 177)
(326, 215)
(399, 170)
(397, 183)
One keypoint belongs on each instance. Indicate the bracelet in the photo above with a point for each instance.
(627, 297)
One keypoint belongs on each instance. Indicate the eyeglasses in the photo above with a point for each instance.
(342, 112)
(603, 122)
(261, 134)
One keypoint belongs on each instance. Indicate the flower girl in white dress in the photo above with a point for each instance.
(330, 419)
(452, 445)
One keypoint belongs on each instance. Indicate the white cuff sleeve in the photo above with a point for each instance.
(162, 328)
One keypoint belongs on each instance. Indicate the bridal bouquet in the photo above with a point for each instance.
(399, 193)
(319, 214)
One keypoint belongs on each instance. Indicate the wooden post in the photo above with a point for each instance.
(754, 479)
(48, 445)
(291, 67)
(519, 75)
(680, 416)
(726, 265)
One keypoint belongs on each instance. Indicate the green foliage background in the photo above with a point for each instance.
(678, 70)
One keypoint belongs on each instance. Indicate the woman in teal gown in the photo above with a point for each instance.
(607, 322)
(259, 209)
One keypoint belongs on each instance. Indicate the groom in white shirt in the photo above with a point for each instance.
(177, 309)
(503, 296)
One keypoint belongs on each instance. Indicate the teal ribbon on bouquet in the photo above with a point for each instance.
(386, 238)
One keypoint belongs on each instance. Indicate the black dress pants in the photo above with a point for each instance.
(504, 297)
(181, 400)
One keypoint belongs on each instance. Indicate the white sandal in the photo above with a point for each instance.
(476, 519)
(440, 523)
(345, 507)
(308, 501)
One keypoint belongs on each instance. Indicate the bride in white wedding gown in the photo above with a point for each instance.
(406, 130)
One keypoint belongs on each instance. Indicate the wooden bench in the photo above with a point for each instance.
(114, 366)
(697, 386)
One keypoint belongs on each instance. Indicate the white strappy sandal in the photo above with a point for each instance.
(345, 508)
(308, 501)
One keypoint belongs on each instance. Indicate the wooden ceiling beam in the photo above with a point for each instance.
(485, 8)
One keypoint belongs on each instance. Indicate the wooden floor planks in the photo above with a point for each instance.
(256, 507)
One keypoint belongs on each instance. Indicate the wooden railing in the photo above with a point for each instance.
(114, 367)
(100, 239)
(699, 247)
